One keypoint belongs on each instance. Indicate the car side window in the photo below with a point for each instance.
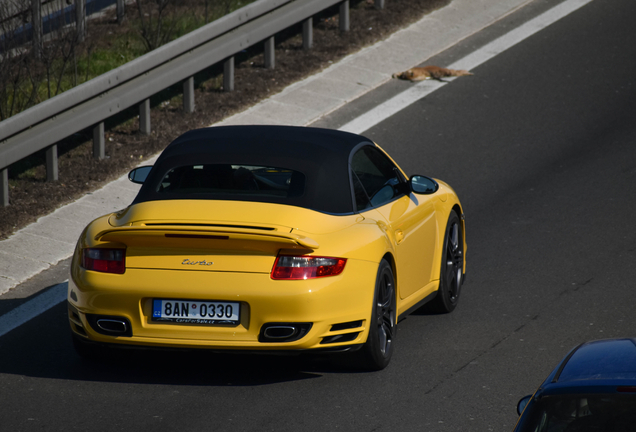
(360, 195)
(376, 179)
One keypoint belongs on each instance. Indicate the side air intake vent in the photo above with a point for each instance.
(348, 337)
(346, 326)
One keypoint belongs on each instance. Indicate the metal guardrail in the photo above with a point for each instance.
(91, 103)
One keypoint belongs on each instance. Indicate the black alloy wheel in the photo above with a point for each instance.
(452, 270)
(378, 349)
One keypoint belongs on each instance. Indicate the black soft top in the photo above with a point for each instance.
(322, 155)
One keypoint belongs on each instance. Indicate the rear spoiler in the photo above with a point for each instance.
(122, 234)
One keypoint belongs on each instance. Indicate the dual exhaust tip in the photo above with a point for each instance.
(113, 326)
(283, 332)
(110, 325)
(270, 332)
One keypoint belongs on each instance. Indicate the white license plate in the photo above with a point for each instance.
(195, 312)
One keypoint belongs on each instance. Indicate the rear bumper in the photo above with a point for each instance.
(337, 308)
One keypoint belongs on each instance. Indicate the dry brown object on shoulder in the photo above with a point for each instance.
(430, 72)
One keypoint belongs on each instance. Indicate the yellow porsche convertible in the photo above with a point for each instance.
(272, 238)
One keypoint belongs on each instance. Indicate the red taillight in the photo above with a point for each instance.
(306, 267)
(104, 260)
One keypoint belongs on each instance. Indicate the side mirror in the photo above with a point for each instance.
(139, 175)
(423, 185)
(523, 402)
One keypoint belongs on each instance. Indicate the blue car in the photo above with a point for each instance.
(593, 389)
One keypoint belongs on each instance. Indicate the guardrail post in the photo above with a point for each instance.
(4, 187)
(36, 17)
(99, 144)
(308, 33)
(228, 74)
(121, 11)
(144, 117)
(80, 19)
(188, 95)
(51, 163)
(379, 4)
(343, 17)
(269, 53)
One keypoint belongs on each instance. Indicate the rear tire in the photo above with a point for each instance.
(377, 351)
(452, 270)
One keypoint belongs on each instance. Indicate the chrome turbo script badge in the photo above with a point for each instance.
(188, 262)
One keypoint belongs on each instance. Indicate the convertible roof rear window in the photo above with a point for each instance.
(299, 166)
(232, 179)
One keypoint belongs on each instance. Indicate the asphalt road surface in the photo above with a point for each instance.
(540, 144)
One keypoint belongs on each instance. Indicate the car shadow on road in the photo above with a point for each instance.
(43, 348)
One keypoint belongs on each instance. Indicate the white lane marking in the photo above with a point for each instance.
(33, 308)
(57, 294)
(471, 61)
